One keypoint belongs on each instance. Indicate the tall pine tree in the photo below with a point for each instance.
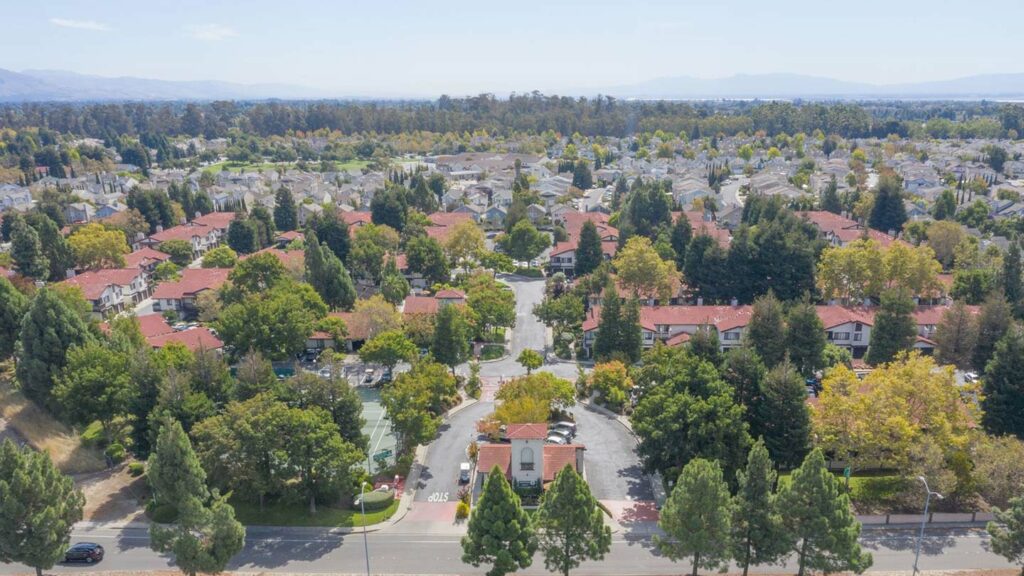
(1012, 287)
(757, 529)
(571, 524)
(499, 533)
(13, 305)
(994, 319)
(894, 330)
(38, 508)
(805, 338)
(820, 526)
(697, 518)
(1003, 401)
(285, 215)
(588, 250)
(783, 416)
(48, 330)
(766, 330)
(609, 328)
(27, 251)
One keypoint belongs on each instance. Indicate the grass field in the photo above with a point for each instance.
(43, 432)
(298, 515)
(254, 167)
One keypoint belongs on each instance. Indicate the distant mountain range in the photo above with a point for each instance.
(788, 86)
(57, 85)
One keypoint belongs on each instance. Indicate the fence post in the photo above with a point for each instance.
(887, 519)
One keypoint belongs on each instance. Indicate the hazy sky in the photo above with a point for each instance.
(418, 47)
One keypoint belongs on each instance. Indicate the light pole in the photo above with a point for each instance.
(927, 501)
(362, 507)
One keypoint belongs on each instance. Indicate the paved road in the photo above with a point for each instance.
(441, 466)
(396, 552)
(612, 465)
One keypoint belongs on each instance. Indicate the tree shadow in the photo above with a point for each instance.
(277, 552)
(933, 543)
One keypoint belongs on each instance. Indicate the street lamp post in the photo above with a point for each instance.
(920, 535)
(362, 507)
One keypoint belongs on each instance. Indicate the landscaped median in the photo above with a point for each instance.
(290, 515)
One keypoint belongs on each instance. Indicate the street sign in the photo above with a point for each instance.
(382, 454)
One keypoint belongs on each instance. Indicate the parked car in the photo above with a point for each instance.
(324, 372)
(571, 426)
(464, 473)
(556, 439)
(368, 376)
(561, 432)
(385, 377)
(87, 552)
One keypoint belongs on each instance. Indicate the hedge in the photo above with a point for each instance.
(375, 500)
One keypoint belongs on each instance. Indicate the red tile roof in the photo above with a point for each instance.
(933, 314)
(153, 325)
(94, 282)
(193, 281)
(289, 258)
(450, 295)
(193, 339)
(219, 220)
(449, 219)
(420, 305)
(354, 219)
(144, 257)
(528, 431)
(290, 235)
(491, 455)
(556, 457)
(832, 316)
(183, 232)
(721, 317)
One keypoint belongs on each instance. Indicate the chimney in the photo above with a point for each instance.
(700, 300)
(159, 228)
(734, 302)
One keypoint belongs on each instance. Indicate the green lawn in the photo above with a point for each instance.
(871, 492)
(253, 167)
(281, 514)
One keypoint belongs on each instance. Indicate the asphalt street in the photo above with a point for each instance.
(393, 551)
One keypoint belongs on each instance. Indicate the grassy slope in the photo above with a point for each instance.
(43, 432)
(280, 514)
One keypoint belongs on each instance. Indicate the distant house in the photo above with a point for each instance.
(180, 296)
(79, 212)
(536, 212)
(495, 216)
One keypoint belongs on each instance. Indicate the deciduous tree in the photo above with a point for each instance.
(641, 270)
(956, 336)
(530, 359)
(97, 247)
(451, 336)
(388, 348)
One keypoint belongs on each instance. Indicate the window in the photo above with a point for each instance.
(840, 335)
(731, 336)
(858, 337)
(526, 459)
(858, 327)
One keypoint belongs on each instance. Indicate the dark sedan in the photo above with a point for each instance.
(87, 552)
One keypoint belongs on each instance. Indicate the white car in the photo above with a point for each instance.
(556, 439)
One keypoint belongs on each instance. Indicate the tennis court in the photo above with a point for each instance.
(377, 427)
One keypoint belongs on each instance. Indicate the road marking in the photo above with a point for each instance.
(383, 413)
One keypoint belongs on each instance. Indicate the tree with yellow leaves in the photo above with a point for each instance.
(644, 272)
(863, 269)
(877, 421)
(465, 243)
(97, 247)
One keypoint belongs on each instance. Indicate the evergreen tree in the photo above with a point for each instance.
(894, 331)
(820, 526)
(945, 206)
(243, 237)
(631, 339)
(696, 518)
(174, 473)
(682, 233)
(830, 201)
(264, 225)
(956, 336)
(1007, 531)
(333, 233)
(588, 250)
(285, 216)
(55, 246)
(451, 337)
(570, 524)
(766, 331)
(743, 370)
(1011, 280)
(581, 176)
(1003, 401)
(38, 508)
(500, 532)
(994, 320)
(609, 329)
(203, 539)
(758, 535)
(328, 276)
(805, 338)
(393, 286)
(13, 305)
(704, 344)
(48, 330)
(27, 251)
(783, 416)
(888, 213)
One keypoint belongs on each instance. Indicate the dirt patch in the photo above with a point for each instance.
(24, 420)
(113, 496)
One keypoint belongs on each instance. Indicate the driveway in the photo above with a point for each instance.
(613, 467)
(439, 479)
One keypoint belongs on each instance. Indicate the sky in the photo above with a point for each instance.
(400, 47)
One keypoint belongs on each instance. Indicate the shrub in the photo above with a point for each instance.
(530, 272)
(492, 351)
(474, 450)
(93, 435)
(464, 494)
(462, 511)
(375, 500)
(161, 513)
(137, 468)
(116, 452)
